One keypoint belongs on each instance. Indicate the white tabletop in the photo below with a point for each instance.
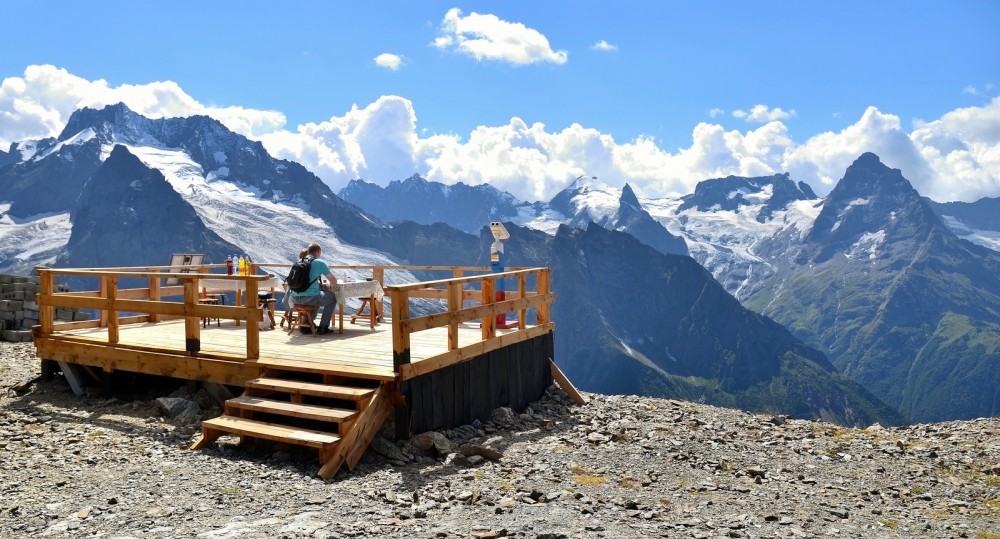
(357, 289)
(234, 285)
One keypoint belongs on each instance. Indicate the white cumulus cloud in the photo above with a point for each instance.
(39, 104)
(488, 37)
(604, 46)
(954, 157)
(716, 112)
(389, 61)
(763, 114)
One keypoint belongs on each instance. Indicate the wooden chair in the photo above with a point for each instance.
(373, 315)
(210, 301)
(304, 319)
(288, 317)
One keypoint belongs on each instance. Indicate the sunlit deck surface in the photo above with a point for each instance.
(360, 351)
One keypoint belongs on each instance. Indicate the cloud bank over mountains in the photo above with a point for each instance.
(955, 157)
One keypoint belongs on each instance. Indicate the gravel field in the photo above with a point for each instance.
(617, 467)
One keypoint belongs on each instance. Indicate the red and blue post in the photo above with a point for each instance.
(497, 265)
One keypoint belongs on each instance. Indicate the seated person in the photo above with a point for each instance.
(288, 295)
(318, 295)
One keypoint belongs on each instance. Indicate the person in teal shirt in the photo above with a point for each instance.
(318, 294)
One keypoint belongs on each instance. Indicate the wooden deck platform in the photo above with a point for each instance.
(332, 392)
(360, 352)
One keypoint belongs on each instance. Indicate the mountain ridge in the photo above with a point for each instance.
(876, 275)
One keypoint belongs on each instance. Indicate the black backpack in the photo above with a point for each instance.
(298, 278)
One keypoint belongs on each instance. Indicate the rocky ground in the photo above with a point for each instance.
(618, 467)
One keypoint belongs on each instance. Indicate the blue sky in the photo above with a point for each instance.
(671, 65)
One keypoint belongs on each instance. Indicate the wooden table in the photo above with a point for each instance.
(237, 286)
(370, 290)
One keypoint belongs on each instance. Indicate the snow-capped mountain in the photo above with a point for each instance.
(258, 205)
(469, 208)
(738, 227)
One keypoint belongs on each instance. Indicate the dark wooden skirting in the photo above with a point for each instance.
(513, 376)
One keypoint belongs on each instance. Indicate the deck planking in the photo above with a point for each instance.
(359, 351)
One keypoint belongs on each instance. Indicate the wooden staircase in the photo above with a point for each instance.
(337, 416)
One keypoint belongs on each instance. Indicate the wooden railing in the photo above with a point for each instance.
(454, 291)
(110, 300)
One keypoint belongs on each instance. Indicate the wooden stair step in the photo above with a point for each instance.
(297, 387)
(369, 372)
(304, 411)
(270, 431)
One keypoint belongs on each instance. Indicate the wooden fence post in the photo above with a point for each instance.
(102, 317)
(192, 325)
(522, 288)
(254, 315)
(400, 331)
(111, 293)
(488, 323)
(454, 304)
(154, 295)
(544, 311)
(46, 314)
(378, 275)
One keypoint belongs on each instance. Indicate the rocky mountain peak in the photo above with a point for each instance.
(868, 176)
(872, 198)
(466, 207)
(771, 193)
(628, 197)
(112, 123)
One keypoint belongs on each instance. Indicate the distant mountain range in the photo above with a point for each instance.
(633, 320)
(873, 277)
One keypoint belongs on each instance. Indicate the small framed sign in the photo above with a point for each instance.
(178, 260)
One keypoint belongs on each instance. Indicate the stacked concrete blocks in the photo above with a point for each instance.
(18, 310)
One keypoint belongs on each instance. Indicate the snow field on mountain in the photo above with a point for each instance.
(270, 231)
(725, 241)
(24, 240)
(986, 238)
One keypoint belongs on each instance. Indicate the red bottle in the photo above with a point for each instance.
(229, 265)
